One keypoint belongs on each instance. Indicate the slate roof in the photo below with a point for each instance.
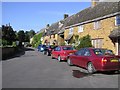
(100, 10)
(53, 29)
(115, 33)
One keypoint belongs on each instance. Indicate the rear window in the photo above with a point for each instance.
(103, 52)
(107, 52)
(68, 48)
(44, 46)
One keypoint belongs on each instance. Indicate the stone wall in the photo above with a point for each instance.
(106, 26)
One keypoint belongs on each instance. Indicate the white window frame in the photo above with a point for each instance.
(80, 28)
(116, 20)
(97, 43)
(71, 31)
(97, 25)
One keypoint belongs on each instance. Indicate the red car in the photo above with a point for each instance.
(95, 59)
(62, 52)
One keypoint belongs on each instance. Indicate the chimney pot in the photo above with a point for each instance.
(94, 2)
(66, 15)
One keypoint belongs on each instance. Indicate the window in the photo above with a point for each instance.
(80, 52)
(57, 49)
(80, 28)
(68, 48)
(98, 51)
(71, 31)
(97, 43)
(87, 52)
(117, 20)
(97, 25)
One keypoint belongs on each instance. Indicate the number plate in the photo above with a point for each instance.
(114, 60)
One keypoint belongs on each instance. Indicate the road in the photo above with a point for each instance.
(35, 70)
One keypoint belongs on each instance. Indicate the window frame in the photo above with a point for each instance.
(116, 24)
(80, 28)
(97, 43)
(71, 30)
(97, 25)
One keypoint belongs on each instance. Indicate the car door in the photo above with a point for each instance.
(54, 52)
(86, 57)
(58, 52)
(78, 57)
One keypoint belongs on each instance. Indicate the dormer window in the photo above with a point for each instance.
(117, 20)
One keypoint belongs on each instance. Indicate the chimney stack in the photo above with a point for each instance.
(66, 15)
(94, 2)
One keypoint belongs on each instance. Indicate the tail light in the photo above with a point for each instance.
(104, 60)
(49, 49)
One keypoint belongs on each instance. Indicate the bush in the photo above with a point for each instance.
(85, 42)
(63, 43)
(4, 42)
(36, 40)
(14, 44)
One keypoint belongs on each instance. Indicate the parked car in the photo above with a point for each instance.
(62, 52)
(41, 47)
(38, 48)
(94, 59)
(49, 49)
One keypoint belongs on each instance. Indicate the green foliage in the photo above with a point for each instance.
(72, 41)
(85, 42)
(31, 33)
(8, 34)
(0, 42)
(21, 36)
(4, 42)
(27, 36)
(37, 40)
(14, 44)
(63, 43)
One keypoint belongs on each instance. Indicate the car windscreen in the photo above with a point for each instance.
(68, 48)
(44, 46)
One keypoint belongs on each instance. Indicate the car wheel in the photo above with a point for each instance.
(48, 54)
(90, 68)
(69, 62)
(44, 52)
(52, 56)
(59, 58)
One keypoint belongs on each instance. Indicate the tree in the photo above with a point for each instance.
(27, 37)
(31, 33)
(8, 34)
(21, 37)
(37, 40)
(85, 42)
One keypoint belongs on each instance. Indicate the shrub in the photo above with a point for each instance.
(85, 42)
(14, 44)
(4, 42)
(36, 40)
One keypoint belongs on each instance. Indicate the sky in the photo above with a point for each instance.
(36, 15)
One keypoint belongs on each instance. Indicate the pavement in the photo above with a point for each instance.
(35, 70)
